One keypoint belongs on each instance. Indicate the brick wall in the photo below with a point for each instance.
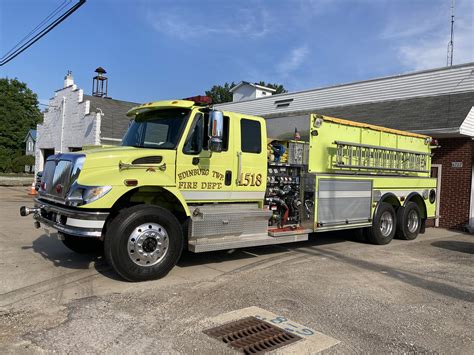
(455, 182)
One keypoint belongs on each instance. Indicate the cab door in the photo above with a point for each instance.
(202, 176)
(251, 158)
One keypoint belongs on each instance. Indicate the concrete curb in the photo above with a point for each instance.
(16, 181)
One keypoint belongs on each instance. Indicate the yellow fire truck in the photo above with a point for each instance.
(188, 176)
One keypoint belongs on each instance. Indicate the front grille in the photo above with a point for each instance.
(252, 336)
(60, 172)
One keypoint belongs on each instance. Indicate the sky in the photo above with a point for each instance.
(154, 50)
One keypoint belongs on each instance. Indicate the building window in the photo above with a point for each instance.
(250, 136)
(30, 146)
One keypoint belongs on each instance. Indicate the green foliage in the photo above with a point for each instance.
(5, 160)
(19, 112)
(221, 93)
(14, 162)
(19, 162)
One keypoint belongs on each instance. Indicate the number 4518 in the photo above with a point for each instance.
(249, 179)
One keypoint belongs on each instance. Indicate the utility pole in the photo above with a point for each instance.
(449, 60)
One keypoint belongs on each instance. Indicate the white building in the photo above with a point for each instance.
(73, 120)
(247, 91)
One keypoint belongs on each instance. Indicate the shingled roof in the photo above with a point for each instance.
(432, 115)
(114, 122)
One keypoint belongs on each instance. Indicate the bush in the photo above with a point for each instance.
(19, 162)
(5, 160)
(14, 162)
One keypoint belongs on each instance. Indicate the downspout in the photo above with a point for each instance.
(63, 114)
(470, 226)
(99, 116)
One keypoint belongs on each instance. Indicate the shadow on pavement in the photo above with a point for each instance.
(53, 250)
(397, 274)
(462, 247)
(191, 259)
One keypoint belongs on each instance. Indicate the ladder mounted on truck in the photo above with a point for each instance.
(377, 158)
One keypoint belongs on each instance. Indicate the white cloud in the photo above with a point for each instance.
(432, 53)
(254, 23)
(421, 39)
(293, 61)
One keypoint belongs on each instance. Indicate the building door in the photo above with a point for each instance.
(436, 173)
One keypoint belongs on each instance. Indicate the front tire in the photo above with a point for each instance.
(384, 225)
(409, 221)
(143, 243)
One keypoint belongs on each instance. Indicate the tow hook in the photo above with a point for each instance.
(25, 211)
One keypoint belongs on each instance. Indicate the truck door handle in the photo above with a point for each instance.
(228, 177)
(239, 168)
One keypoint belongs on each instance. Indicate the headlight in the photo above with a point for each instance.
(81, 195)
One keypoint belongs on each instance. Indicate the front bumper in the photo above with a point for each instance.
(72, 221)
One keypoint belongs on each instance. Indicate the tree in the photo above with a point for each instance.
(220, 94)
(19, 112)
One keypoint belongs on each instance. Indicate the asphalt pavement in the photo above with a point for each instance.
(408, 296)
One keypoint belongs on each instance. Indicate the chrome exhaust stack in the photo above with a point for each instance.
(25, 211)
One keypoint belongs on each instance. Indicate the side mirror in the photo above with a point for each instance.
(216, 130)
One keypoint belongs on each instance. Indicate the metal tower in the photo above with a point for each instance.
(449, 59)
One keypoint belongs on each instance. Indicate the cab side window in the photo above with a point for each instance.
(195, 142)
(198, 140)
(225, 139)
(250, 136)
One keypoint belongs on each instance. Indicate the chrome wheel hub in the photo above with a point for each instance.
(412, 221)
(386, 223)
(148, 244)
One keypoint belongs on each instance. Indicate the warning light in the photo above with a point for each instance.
(200, 100)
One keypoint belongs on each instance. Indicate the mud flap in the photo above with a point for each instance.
(423, 226)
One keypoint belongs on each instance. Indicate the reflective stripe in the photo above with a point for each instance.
(344, 194)
(84, 223)
(222, 195)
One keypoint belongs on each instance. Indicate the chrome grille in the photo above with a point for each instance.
(60, 172)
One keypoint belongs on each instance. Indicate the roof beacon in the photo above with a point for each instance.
(200, 100)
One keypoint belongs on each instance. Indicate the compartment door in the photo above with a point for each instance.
(343, 202)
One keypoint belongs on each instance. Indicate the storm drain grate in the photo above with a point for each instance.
(252, 336)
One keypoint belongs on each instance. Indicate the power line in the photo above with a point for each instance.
(54, 12)
(41, 34)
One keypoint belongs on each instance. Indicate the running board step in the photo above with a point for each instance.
(209, 244)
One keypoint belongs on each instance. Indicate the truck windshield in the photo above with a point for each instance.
(156, 129)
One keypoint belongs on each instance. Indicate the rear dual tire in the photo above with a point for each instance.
(405, 223)
(384, 225)
(409, 221)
